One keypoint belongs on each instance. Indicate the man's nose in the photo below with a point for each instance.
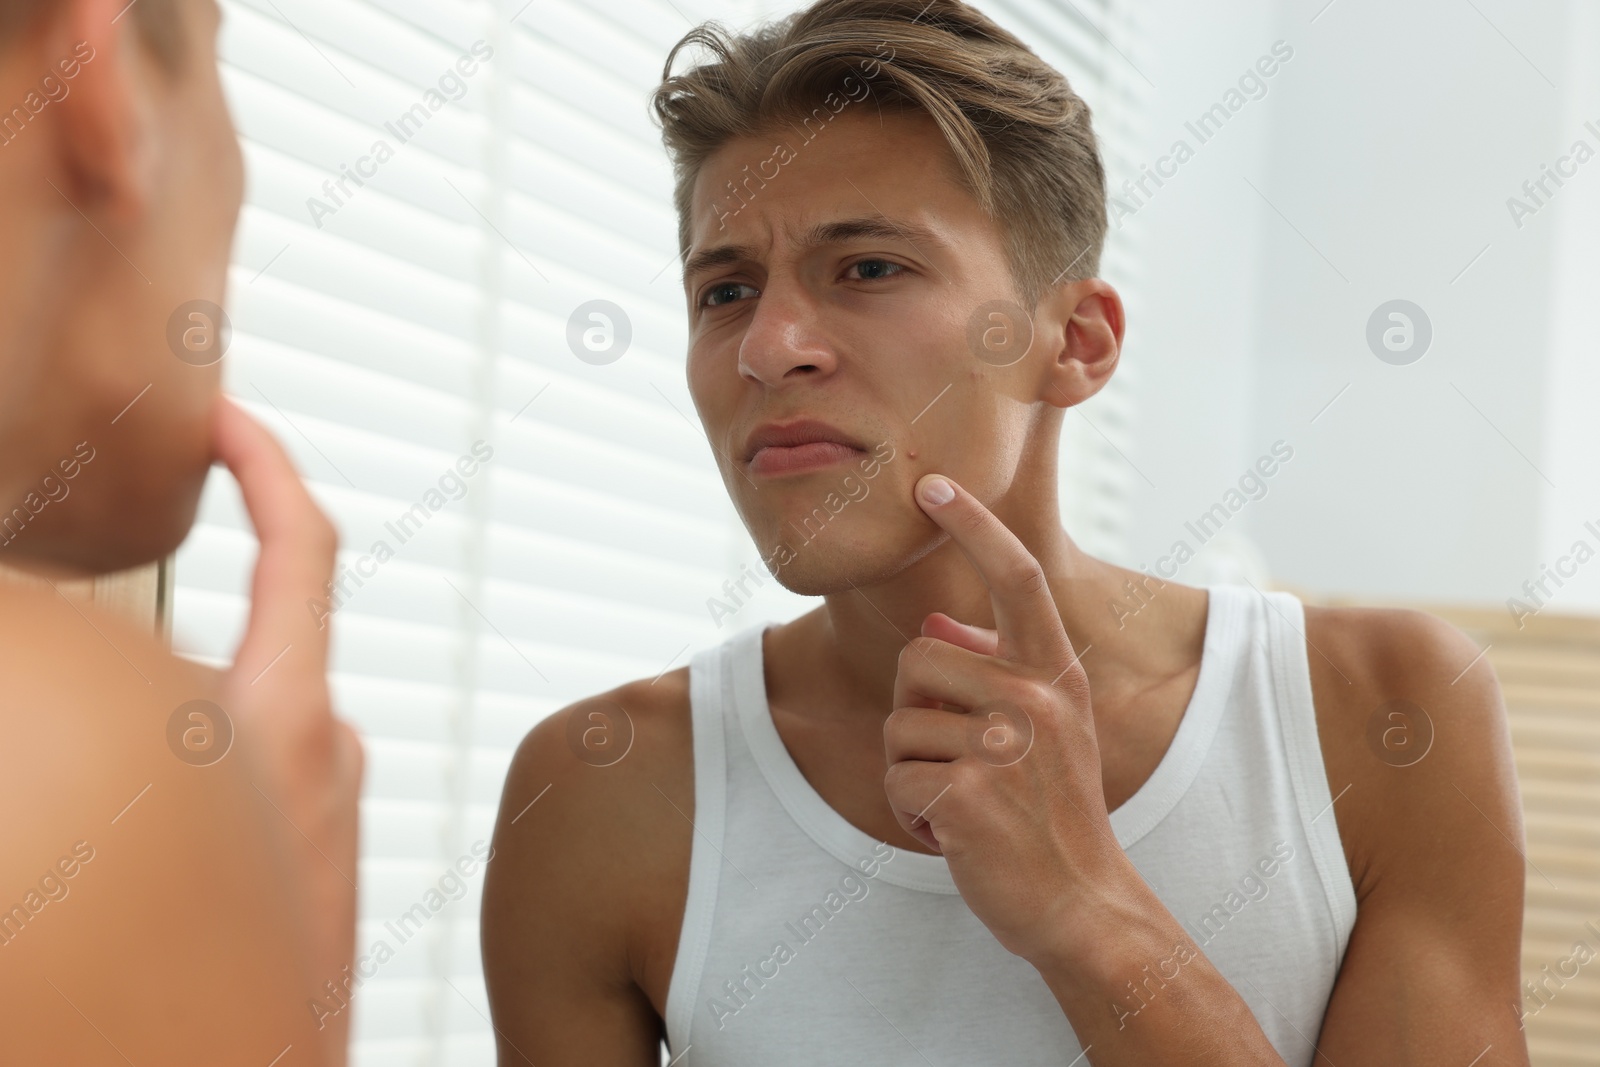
(786, 340)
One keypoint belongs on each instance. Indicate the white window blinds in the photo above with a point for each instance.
(433, 190)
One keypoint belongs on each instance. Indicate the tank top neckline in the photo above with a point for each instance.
(1134, 818)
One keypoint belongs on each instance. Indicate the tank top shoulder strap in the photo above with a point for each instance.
(711, 710)
(1281, 618)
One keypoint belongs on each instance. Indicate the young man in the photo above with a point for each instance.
(913, 826)
(178, 847)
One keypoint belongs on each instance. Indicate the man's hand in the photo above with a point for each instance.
(305, 762)
(1007, 787)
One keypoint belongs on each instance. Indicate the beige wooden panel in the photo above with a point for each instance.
(141, 594)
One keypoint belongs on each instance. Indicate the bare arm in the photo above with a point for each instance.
(573, 858)
(1432, 969)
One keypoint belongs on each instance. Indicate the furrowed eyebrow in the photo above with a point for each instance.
(879, 228)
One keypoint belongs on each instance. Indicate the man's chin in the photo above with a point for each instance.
(815, 570)
(85, 534)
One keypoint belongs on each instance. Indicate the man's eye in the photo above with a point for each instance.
(710, 299)
(873, 269)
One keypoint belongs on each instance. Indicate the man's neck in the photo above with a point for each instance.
(850, 647)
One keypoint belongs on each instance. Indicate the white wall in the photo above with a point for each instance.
(1572, 390)
(1192, 327)
(1377, 166)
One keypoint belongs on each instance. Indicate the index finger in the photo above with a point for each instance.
(1025, 613)
(298, 542)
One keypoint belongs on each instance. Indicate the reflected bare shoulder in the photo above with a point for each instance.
(123, 859)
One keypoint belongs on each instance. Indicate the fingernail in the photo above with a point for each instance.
(937, 491)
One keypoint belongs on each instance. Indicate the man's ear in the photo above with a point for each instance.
(105, 123)
(1091, 314)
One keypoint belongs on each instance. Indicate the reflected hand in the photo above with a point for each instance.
(305, 762)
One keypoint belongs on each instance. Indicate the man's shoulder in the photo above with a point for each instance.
(607, 779)
(593, 841)
(67, 663)
(1405, 653)
(1407, 708)
(78, 718)
(621, 738)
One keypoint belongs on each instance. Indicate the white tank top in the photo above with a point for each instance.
(805, 940)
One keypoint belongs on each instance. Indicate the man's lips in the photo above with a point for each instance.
(789, 459)
(804, 444)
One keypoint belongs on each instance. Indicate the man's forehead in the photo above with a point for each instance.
(857, 154)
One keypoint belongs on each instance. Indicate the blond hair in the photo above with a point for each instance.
(1022, 139)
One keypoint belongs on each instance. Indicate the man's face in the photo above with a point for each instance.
(103, 365)
(869, 333)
